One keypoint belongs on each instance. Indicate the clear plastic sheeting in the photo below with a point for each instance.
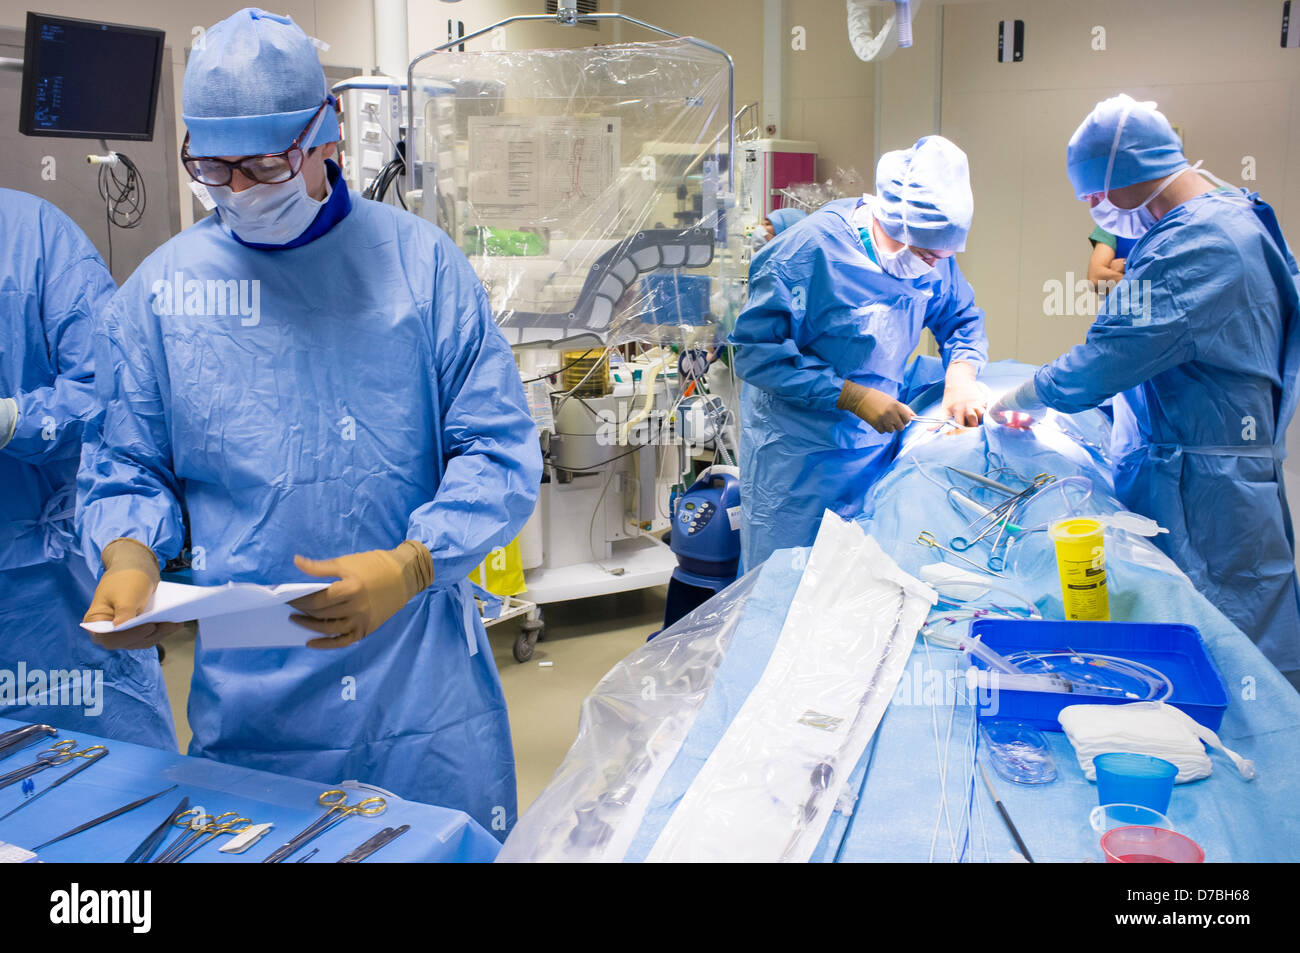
(589, 187)
(810, 196)
(631, 727)
(766, 789)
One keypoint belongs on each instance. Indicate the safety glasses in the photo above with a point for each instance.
(267, 169)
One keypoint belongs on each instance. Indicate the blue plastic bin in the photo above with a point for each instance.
(1176, 649)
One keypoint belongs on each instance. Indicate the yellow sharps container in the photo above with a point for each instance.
(1081, 562)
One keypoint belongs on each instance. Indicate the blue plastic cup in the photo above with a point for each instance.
(1135, 779)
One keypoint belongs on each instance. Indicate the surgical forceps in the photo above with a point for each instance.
(999, 516)
(1016, 504)
(337, 808)
(96, 821)
(147, 846)
(200, 831)
(52, 757)
(927, 539)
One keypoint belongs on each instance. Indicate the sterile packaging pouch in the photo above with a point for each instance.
(767, 791)
(1149, 728)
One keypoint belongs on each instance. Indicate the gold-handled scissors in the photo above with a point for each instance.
(201, 829)
(60, 753)
(337, 808)
(190, 822)
(216, 828)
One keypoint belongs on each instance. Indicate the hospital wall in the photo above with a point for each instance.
(427, 25)
(827, 93)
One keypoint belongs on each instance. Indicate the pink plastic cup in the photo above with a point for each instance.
(1149, 845)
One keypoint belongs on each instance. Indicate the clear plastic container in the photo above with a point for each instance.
(1107, 817)
(1019, 752)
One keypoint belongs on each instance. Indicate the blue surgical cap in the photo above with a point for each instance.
(1147, 149)
(252, 85)
(783, 218)
(923, 195)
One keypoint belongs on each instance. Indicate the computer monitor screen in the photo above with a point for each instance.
(88, 80)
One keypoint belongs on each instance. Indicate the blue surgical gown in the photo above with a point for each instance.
(336, 397)
(52, 282)
(1200, 342)
(821, 312)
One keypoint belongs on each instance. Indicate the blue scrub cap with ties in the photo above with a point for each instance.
(783, 218)
(1143, 144)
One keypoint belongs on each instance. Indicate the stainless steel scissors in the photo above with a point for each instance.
(337, 809)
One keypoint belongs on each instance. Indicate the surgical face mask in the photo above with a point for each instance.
(904, 263)
(268, 214)
(1130, 222)
(1126, 223)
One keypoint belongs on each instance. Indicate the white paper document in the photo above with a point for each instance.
(236, 615)
(535, 169)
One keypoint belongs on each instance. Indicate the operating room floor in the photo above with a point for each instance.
(582, 642)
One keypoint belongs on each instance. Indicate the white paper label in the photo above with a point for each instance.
(13, 854)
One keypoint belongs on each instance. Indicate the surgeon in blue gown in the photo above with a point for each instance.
(1200, 347)
(52, 282)
(314, 384)
(835, 309)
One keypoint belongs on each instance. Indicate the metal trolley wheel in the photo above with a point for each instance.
(531, 632)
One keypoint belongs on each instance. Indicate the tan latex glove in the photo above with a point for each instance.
(130, 577)
(877, 408)
(372, 587)
(964, 399)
